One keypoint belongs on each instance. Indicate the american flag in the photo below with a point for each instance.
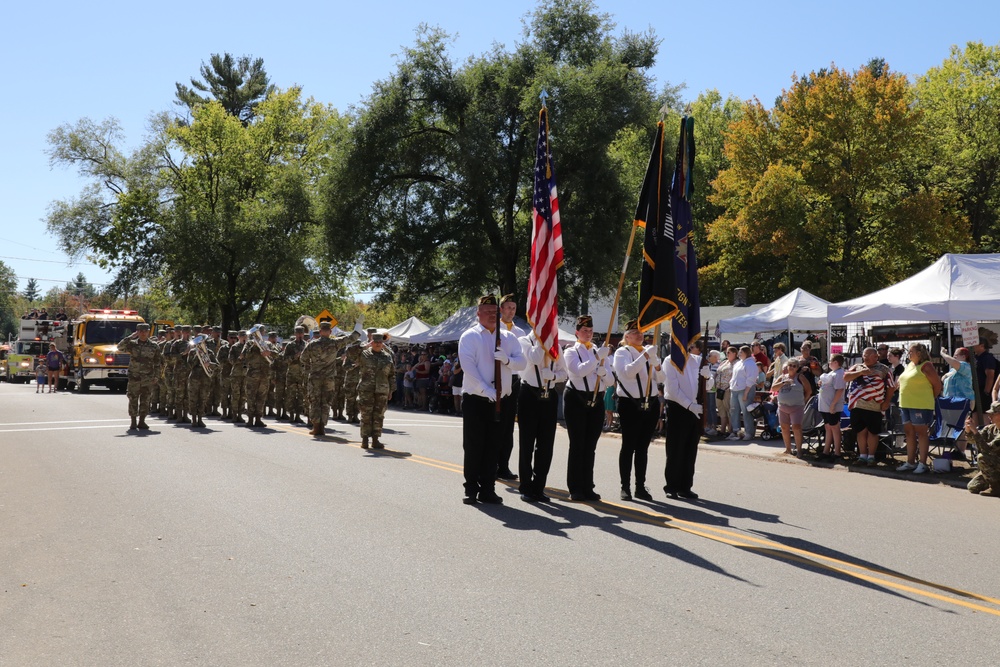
(546, 247)
(870, 387)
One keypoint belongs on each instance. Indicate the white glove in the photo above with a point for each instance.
(705, 372)
(602, 372)
(654, 359)
(359, 325)
(501, 356)
(547, 374)
(602, 352)
(491, 393)
(695, 409)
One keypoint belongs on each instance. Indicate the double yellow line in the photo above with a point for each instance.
(870, 574)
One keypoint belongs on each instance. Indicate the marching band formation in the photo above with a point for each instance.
(187, 378)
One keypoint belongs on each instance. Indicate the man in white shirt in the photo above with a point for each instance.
(683, 424)
(478, 350)
(508, 308)
(537, 406)
(588, 370)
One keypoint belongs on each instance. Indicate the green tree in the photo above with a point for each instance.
(827, 191)
(81, 288)
(238, 84)
(220, 211)
(8, 302)
(961, 104)
(31, 291)
(434, 190)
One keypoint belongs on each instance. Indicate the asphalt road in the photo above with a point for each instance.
(235, 547)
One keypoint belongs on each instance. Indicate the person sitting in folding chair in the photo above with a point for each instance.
(988, 443)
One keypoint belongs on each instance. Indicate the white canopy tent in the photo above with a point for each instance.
(402, 332)
(452, 328)
(796, 311)
(952, 289)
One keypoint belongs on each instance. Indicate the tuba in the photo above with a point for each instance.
(255, 336)
(307, 321)
(201, 351)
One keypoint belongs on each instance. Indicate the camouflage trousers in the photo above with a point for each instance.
(320, 390)
(225, 393)
(277, 395)
(337, 400)
(256, 393)
(351, 394)
(198, 390)
(180, 391)
(988, 476)
(139, 391)
(372, 408)
(237, 389)
(215, 394)
(154, 397)
(168, 387)
(294, 392)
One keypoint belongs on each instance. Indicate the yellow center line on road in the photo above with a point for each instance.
(874, 575)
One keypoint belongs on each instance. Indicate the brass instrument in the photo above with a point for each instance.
(197, 345)
(307, 321)
(255, 336)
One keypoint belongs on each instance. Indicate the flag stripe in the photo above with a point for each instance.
(546, 247)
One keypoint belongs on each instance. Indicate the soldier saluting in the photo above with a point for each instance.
(143, 373)
(318, 359)
(378, 377)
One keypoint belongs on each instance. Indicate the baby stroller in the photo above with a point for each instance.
(766, 414)
(813, 427)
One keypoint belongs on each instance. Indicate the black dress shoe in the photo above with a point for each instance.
(578, 497)
(469, 500)
(690, 495)
(642, 493)
(670, 493)
(490, 498)
(626, 494)
(506, 475)
(590, 495)
(530, 498)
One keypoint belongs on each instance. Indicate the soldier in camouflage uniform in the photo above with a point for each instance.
(378, 379)
(216, 346)
(337, 404)
(988, 445)
(258, 382)
(154, 396)
(318, 359)
(144, 362)
(225, 381)
(168, 373)
(199, 386)
(279, 367)
(179, 351)
(238, 377)
(294, 376)
(352, 375)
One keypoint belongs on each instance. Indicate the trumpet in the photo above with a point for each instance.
(255, 336)
(197, 345)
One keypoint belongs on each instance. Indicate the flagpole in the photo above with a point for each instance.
(614, 306)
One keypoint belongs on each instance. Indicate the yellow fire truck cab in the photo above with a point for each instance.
(92, 341)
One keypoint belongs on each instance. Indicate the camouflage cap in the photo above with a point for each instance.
(242, 332)
(300, 329)
(217, 329)
(272, 333)
(142, 327)
(994, 409)
(185, 327)
(378, 338)
(325, 326)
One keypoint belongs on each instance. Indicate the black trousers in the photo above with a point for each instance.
(536, 420)
(480, 442)
(683, 435)
(508, 413)
(583, 425)
(637, 425)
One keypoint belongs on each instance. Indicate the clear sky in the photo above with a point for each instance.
(97, 59)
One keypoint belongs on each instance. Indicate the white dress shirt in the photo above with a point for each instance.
(537, 363)
(581, 366)
(682, 388)
(744, 374)
(475, 353)
(631, 367)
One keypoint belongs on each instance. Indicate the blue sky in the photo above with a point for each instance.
(67, 60)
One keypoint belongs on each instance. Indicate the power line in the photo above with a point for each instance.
(63, 280)
(52, 261)
(27, 246)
